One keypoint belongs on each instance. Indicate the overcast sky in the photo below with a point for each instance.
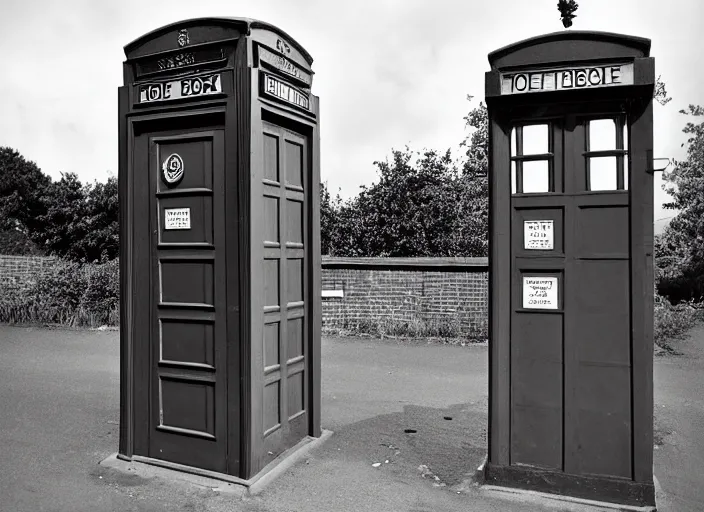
(389, 73)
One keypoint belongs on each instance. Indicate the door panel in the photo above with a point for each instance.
(187, 347)
(570, 363)
(286, 174)
(538, 254)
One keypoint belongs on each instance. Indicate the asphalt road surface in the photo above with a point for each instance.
(679, 425)
(59, 413)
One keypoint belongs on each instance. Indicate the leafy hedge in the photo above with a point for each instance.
(445, 329)
(673, 322)
(67, 293)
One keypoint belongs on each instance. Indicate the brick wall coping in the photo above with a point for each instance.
(417, 264)
(12, 257)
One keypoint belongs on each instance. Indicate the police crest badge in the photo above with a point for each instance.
(172, 169)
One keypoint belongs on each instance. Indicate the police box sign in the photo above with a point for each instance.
(582, 77)
(182, 88)
(286, 92)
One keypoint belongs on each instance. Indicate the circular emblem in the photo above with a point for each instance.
(173, 169)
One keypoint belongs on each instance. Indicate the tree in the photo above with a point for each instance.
(406, 213)
(423, 204)
(680, 249)
(22, 184)
(81, 222)
(64, 218)
(63, 225)
(659, 92)
(473, 207)
(102, 241)
(328, 219)
(15, 242)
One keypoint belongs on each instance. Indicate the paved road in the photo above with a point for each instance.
(59, 415)
(679, 424)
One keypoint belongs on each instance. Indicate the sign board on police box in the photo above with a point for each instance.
(559, 79)
(183, 88)
(286, 92)
(284, 65)
(177, 218)
(540, 292)
(538, 235)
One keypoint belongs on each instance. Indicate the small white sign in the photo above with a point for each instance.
(540, 292)
(538, 234)
(177, 218)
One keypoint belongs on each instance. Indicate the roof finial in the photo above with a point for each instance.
(567, 9)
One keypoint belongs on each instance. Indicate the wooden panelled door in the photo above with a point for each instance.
(571, 324)
(187, 349)
(285, 180)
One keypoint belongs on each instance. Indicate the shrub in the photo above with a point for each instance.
(67, 293)
(15, 305)
(445, 329)
(672, 322)
(100, 302)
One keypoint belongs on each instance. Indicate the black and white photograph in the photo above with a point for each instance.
(325, 256)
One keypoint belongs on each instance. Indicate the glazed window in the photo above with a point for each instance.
(606, 154)
(531, 159)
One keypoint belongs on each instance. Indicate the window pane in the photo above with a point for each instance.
(602, 173)
(625, 136)
(535, 139)
(536, 176)
(602, 135)
(625, 172)
(514, 148)
(513, 177)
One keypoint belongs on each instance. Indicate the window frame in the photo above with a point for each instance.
(619, 151)
(518, 158)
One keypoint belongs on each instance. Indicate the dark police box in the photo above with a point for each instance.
(571, 294)
(220, 247)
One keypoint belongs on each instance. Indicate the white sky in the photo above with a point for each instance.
(388, 72)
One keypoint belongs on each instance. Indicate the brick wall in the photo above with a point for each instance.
(422, 290)
(19, 270)
(398, 289)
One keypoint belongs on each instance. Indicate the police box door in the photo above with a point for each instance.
(570, 326)
(179, 195)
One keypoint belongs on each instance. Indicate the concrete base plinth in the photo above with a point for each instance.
(146, 467)
(562, 503)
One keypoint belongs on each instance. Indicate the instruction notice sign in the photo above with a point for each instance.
(177, 218)
(538, 234)
(540, 293)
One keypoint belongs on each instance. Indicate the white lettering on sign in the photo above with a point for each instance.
(540, 293)
(285, 92)
(584, 77)
(283, 64)
(538, 234)
(177, 218)
(184, 88)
